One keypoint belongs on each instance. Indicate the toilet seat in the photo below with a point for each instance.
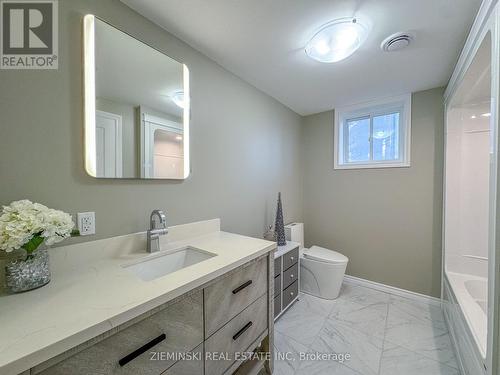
(321, 254)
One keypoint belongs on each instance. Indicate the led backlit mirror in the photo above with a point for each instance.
(136, 107)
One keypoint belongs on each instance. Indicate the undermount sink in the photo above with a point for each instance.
(159, 265)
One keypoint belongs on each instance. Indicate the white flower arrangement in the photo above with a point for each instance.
(24, 224)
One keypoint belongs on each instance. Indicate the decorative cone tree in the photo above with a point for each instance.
(279, 226)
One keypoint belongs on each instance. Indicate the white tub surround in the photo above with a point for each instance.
(471, 293)
(91, 292)
(471, 220)
(467, 352)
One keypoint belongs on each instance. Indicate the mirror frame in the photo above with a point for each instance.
(89, 102)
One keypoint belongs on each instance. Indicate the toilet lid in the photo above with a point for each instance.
(324, 255)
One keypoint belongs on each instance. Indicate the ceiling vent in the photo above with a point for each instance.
(396, 42)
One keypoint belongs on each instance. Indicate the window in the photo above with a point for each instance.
(373, 135)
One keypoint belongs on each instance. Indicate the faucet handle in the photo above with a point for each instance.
(162, 220)
(158, 227)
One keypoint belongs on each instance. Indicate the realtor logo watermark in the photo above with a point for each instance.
(29, 37)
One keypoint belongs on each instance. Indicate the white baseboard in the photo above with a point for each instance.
(392, 290)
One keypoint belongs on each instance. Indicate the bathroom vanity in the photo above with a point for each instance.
(108, 310)
(286, 277)
(194, 301)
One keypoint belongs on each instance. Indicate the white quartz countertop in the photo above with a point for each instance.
(89, 295)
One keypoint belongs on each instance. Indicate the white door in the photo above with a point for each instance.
(108, 135)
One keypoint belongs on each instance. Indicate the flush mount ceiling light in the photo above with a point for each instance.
(336, 40)
(178, 98)
(383, 134)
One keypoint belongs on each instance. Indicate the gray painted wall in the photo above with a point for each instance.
(387, 221)
(245, 146)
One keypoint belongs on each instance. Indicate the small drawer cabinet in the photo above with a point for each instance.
(286, 277)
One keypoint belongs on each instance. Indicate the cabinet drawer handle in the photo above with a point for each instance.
(242, 286)
(241, 331)
(136, 353)
(291, 258)
(291, 276)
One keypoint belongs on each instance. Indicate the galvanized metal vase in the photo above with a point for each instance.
(28, 272)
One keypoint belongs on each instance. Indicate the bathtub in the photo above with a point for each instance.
(471, 293)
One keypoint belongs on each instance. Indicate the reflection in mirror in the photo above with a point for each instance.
(136, 107)
(162, 148)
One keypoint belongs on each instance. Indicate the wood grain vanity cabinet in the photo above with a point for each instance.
(286, 280)
(178, 328)
(191, 365)
(227, 297)
(185, 336)
(236, 336)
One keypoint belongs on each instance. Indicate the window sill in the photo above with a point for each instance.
(372, 166)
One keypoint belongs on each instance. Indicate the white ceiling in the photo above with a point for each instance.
(262, 41)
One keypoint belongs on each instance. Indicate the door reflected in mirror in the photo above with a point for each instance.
(136, 107)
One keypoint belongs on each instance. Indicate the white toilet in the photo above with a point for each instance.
(321, 270)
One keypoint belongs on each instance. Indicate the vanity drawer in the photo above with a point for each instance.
(231, 294)
(277, 285)
(277, 266)
(277, 305)
(236, 336)
(191, 365)
(290, 275)
(290, 258)
(290, 293)
(176, 329)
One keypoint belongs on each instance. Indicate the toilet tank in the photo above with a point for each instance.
(295, 232)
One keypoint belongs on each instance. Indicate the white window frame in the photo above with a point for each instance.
(400, 104)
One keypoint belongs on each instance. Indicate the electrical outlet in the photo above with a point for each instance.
(86, 223)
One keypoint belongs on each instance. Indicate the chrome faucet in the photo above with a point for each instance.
(157, 228)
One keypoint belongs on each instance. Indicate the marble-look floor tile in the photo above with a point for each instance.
(368, 318)
(301, 327)
(362, 295)
(287, 354)
(308, 304)
(319, 367)
(364, 350)
(424, 339)
(364, 322)
(398, 361)
(405, 311)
